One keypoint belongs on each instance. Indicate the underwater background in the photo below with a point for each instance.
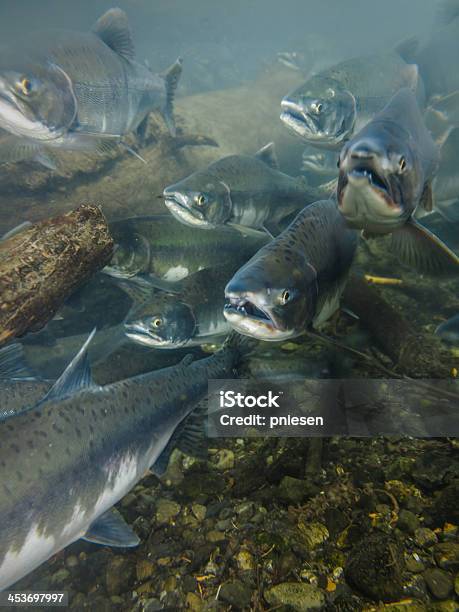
(335, 523)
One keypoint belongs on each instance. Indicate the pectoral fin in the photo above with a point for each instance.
(190, 437)
(13, 365)
(75, 378)
(110, 529)
(427, 198)
(247, 231)
(418, 248)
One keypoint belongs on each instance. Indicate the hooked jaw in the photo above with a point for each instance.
(319, 130)
(141, 334)
(248, 314)
(14, 120)
(366, 196)
(182, 209)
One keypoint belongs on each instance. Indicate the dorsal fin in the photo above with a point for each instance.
(408, 49)
(267, 154)
(447, 11)
(113, 28)
(171, 78)
(76, 376)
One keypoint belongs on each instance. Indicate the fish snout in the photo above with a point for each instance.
(364, 151)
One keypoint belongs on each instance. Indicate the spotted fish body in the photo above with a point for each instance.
(65, 461)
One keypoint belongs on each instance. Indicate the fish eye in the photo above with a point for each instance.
(201, 200)
(285, 296)
(402, 164)
(157, 322)
(24, 85)
(317, 107)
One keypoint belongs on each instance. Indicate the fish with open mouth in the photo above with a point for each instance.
(242, 191)
(386, 173)
(77, 91)
(188, 313)
(159, 246)
(337, 102)
(68, 457)
(296, 280)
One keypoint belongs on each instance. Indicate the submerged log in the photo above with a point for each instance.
(43, 264)
(414, 353)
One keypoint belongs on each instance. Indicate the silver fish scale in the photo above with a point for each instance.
(113, 94)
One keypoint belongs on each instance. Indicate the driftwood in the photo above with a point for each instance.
(414, 353)
(42, 265)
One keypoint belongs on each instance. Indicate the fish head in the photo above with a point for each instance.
(321, 111)
(201, 200)
(377, 179)
(36, 102)
(164, 322)
(319, 162)
(131, 256)
(271, 297)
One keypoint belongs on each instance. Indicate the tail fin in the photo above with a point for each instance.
(242, 344)
(447, 11)
(171, 77)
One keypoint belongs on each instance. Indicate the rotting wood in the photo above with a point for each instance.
(42, 265)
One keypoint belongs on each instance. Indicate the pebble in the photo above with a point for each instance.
(444, 606)
(300, 596)
(166, 510)
(447, 555)
(439, 582)
(375, 567)
(414, 563)
(294, 490)
(71, 561)
(407, 521)
(144, 569)
(425, 537)
(245, 510)
(223, 525)
(216, 536)
(225, 459)
(193, 602)
(164, 561)
(236, 593)
(118, 575)
(415, 587)
(199, 511)
(152, 605)
(245, 560)
(313, 534)
(60, 576)
(446, 507)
